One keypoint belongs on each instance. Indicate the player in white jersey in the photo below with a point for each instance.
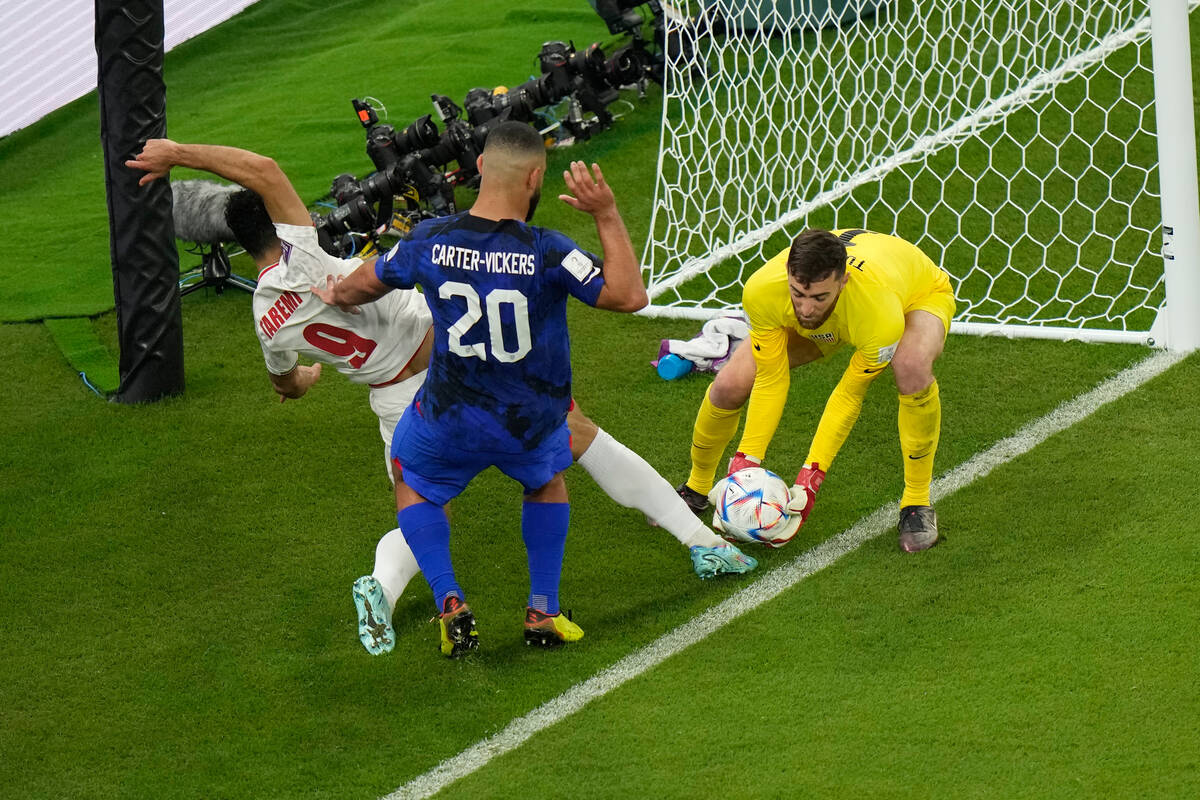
(385, 348)
(386, 345)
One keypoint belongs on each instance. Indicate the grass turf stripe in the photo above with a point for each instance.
(76, 338)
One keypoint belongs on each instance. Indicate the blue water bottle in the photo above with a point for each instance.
(672, 366)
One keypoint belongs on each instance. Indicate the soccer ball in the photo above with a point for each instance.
(751, 506)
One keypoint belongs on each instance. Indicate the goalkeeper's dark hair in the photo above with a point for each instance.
(816, 255)
(516, 138)
(247, 217)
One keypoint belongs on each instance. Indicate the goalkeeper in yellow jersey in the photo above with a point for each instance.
(876, 292)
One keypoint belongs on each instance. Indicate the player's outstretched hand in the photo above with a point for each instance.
(804, 492)
(328, 295)
(156, 160)
(589, 195)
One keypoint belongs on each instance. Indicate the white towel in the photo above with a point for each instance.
(711, 348)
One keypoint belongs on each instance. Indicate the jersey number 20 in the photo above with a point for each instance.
(495, 300)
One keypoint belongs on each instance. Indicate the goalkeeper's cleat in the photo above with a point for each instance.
(457, 625)
(724, 559)
(696, 501)
(549, 630)
(374, 620)
(918, 528)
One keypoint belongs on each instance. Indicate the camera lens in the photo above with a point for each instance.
(627, 65)
(420, 134)
(553, 54)
(344, 186)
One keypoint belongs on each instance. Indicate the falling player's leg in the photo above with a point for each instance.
(395, 565)
(375, 595)
(628, 479)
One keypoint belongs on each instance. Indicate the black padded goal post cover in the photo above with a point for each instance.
(145, 263)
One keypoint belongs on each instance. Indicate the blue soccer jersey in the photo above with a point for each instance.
(500, 372)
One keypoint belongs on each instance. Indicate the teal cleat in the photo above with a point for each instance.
(724, 559)
(374, 618)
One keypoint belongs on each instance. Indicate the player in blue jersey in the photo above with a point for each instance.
(499, 382)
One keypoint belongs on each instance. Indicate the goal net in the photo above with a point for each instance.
(1012, 140)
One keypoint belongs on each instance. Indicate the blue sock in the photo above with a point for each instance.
(544, 529)
(427, 532)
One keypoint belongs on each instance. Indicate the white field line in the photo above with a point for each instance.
(767, 587)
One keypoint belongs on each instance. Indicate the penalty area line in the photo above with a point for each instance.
(770, 585)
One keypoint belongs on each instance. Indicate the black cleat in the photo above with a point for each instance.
(918, 528)
(697, 502)
(457, 624)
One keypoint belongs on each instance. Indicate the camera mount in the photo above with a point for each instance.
(214, 271)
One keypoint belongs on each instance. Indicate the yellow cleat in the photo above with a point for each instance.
(549, 630)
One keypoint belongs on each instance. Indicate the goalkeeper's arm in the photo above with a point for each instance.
(842, 410)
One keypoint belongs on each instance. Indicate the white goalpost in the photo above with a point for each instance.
(1042, 152)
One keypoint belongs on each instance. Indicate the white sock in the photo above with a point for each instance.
(628, 479)
(395, 566)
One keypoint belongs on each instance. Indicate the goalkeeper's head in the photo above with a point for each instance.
(816, 275)
(511, 168)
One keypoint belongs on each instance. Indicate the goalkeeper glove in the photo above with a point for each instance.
(741, 461)
(804, 493)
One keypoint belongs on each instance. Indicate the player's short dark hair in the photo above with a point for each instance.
(247, 217)
(816, 255)
(518, 138)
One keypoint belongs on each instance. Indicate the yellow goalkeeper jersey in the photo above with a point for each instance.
(888, 277)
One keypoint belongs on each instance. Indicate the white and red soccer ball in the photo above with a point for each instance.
(751, 506)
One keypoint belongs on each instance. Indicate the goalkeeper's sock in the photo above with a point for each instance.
(920, 423)
(395, 566)
(544, 529)
(427, 532)
(711, 434)
(629, 480)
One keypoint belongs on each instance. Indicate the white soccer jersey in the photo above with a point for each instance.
(370, 347)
